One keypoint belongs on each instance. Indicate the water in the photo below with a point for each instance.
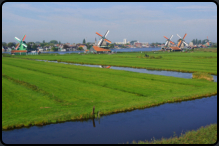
(160, 121)
(155, 72)
(113, 50)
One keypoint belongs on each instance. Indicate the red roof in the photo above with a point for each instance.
(175, 48)
(100, 49)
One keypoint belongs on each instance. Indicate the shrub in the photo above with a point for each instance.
(151, 57)
(158, 57)
(200, 75)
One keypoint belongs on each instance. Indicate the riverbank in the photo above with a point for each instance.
(204, 135)
(36, 102)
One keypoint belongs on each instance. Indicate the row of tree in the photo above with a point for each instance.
(196, 41)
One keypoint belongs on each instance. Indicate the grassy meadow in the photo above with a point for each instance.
(37, 93)
(204, 135)
(198, 60)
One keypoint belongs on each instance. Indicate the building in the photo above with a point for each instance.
(83, 46)
(95, 49)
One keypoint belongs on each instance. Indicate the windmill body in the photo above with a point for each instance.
(21, 45)
(181, 42)
(207, 42)
(102, 42)
(168, 43)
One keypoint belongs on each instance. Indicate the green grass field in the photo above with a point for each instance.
(204, 135)
(199, 60)
(37, 93)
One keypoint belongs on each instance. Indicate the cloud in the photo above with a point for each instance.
(198, 8)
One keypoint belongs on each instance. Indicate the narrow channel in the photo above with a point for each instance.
(160, 121)
(139, 70)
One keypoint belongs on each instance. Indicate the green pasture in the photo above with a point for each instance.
(36, 93)
(204, 135)
(199, 60)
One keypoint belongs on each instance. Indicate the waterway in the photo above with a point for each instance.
(160, 121)
(139, 70)
(113, 50)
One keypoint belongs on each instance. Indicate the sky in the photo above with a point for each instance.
(71, 22)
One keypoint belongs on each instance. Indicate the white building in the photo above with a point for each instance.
(124, 41)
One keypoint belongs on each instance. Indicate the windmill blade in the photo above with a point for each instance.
(24, 45)
(17, 39)
(108, 41)
(185, 43)
(99, 34)
(166, 43)
(179, 43)
(171, 37)
(24, 37)
(184, 36)
(100, 42)
(178, 35)
(165, 37)
(106, 33)
(17, 46)
(171, 42)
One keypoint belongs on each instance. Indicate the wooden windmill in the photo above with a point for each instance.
(21, 47)
(103, 40)
(181, 42)
(21, 44)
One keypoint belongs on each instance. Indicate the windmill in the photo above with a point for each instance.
(207, 41)
(21, 43)
(167, 44)
(103, 39)
(182, 41)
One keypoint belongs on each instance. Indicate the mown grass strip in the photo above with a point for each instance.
(81, 88)
(176, 61)
(204, 135)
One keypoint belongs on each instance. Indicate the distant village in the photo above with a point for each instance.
(54, 45)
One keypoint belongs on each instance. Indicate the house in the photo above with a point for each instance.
(95, 49)
(83, 46)
(40, 49)
(175, 49)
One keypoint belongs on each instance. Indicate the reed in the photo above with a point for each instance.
(200, 75)
(203, 135)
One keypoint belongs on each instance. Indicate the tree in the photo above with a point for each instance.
(54, 41)
(111, 45)
(65, 46)
(34, 47)
(59, 42)
(4, 44)
(84, 42)
(80, 48)
(132, 42)
(28, 47)
(37, 42)
(54, 49)
(11, 44)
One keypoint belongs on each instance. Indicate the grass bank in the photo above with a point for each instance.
(205, 76)
(37, 93)
(199, 60)
(204, 135)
